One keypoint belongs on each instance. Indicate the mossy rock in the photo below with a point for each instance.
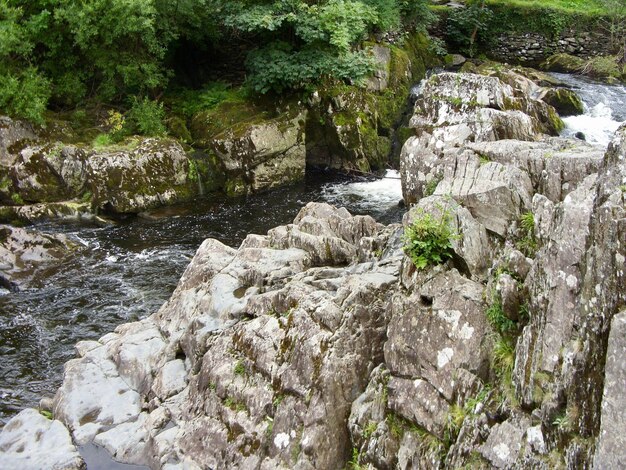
(566, 102)
(207, 172)
(177, 127)
(234, 117)
(563, 63)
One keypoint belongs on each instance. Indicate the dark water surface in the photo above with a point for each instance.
(126, 272)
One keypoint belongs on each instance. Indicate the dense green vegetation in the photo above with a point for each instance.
(63, 53)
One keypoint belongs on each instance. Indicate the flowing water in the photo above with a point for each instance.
(605, 109)
(125, 272)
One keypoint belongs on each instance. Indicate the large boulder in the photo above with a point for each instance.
(152, 174)
(455, 110)
(262, 155)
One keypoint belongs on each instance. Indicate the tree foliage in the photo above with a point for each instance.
(66, 51)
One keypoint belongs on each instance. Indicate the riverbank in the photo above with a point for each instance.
(245, 365)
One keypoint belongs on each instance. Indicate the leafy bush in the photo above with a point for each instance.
(25, 95)
(468, 27)
(428, 241)
(279, 67)
(146, 117)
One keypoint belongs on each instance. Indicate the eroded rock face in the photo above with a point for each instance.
(151, 175)
(264, 155)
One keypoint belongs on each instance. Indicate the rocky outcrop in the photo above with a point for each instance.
(145, 174)
(456, 109)
(153, 174)
(351, 128)
(262, 155)
(24, 252)
(321, 344)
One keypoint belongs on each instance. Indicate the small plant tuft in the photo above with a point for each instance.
(428, 241)
(240, 368)
(17, 199)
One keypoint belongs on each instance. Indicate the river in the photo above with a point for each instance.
(126, 272)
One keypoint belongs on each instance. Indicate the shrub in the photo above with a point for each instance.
(25, 95)
(428, 241)
(467, 27)
(527, 243)
(146, 117)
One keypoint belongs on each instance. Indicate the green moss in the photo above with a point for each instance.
(563, 63)
(17, 199)
(177, 128)
(235, 186)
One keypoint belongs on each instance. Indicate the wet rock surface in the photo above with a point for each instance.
(30, 441)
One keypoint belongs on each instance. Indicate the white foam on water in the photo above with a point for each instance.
(597, 124)
(379, 194)
(604, 109)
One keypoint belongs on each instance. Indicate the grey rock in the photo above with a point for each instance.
(14, 134)
(556, 166)
(29, 441)
(511, 296)
(504, 443)
(419, 402)
(130, 181)
(438, 329)
(495, 194)
(380, 78)
(25, 252)
(611, 449)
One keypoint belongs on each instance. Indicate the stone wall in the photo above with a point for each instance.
(532, 48)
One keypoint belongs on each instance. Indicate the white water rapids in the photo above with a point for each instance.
(605, 109)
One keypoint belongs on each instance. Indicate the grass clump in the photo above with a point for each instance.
(527, 244)
(240, 368)
(428, 241)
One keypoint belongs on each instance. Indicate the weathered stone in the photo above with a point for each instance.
(566, 102)
(23, 252)
(266, 154)
(152, 174)
(556, 166)
(509, 291)
(438, 329)
(380, 78)
(496, 195)
(94, 397)
(14, 135)
(504, 443)
(455, 110)
(419, 402)
(30, 441)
